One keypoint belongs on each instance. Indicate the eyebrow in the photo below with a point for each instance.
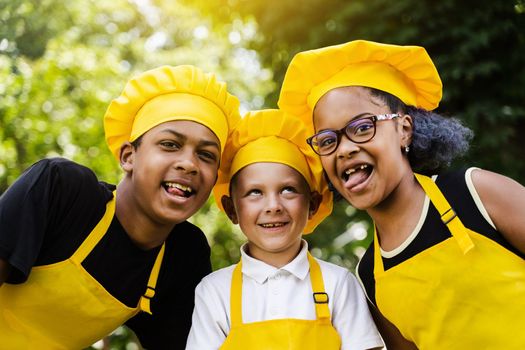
(183, 137)
(362, 115)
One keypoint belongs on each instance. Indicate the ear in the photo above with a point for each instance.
(229, 208)
(407, 127)
(315, 202)
(127, 155)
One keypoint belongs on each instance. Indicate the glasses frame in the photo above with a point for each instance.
(343, 131)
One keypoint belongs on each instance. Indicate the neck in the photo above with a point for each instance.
(397, 216)
(142, 230)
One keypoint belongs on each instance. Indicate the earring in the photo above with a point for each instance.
(407, 149)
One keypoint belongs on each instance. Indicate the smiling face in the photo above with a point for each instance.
(171, 173)
(365, 174)
(271, 202)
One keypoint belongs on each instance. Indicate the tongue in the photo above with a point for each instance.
(176, 192)
(356, 178)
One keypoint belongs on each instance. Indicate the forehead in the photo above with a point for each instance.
(344, 103)
(268, 173)
(189, 130)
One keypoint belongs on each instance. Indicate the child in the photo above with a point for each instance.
(81, 257)
(271, 184)
(446, 268)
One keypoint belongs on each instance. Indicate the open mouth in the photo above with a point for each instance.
(273, 224)
(357, 175)
(178, 189)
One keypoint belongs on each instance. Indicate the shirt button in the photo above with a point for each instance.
(275, 291)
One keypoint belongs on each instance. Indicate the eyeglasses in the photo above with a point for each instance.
(359, 130)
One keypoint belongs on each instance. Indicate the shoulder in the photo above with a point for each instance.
(63, 167)
(220, 276)
(333, 270)
(337, 277)
(218, 282)
(64, 175)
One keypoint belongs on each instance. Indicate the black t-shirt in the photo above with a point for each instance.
(49, 211)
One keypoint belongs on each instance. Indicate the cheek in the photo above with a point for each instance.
(209, 176)
(329, 166)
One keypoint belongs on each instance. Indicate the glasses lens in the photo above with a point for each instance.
(325, 142)
(360, 130)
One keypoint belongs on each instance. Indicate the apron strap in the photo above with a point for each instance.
(236, 296)
(448, 215)
(319, 294)
(152, 282)
(96, 234)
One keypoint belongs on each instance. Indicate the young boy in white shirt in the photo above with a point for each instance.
(278, 296)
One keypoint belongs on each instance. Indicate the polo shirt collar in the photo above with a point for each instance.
(261, 271)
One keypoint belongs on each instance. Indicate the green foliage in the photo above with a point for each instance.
(62, 62)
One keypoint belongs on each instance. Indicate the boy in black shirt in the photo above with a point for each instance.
(80, 257)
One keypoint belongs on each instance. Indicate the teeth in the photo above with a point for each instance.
(179, 186)
(353, 170)
(272, 225)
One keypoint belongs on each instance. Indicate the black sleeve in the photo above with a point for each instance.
(186, 262)
(32, 211)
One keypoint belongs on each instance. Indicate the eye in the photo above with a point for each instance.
(361, 126)
(170, 144)
(254, 192)
(289, 189)
(325, 139)
(208, 156)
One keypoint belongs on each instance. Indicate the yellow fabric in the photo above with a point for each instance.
(273, 136)
(403, 71)
(170, 93)
(61, 306)
(184, 106)
(282, 334)
(272, 149)
(467, 292)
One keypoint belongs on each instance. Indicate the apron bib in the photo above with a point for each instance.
(467, 292)
(283, 334)
(61, 306)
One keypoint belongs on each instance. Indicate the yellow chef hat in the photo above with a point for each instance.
(406, 72)
(170, 93)
(275, 137)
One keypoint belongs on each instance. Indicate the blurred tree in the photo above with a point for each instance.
(62, 62)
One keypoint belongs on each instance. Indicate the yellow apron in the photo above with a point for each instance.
(283, 334)
(467, 292)
(61, 306)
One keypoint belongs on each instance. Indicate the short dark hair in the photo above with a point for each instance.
(136, 143)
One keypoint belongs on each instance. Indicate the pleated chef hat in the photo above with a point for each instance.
(275, 137)
(170, 93)
(406, 72)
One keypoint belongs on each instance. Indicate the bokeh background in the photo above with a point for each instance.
(61, 62)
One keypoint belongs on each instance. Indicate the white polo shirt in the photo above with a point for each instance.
(276, 293)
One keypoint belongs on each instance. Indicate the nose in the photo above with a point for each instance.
(186, 163)
(273, 204)
(346, 148)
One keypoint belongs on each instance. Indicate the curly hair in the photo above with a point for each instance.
(436, 140)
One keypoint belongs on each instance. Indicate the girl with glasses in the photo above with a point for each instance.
(446, 269)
